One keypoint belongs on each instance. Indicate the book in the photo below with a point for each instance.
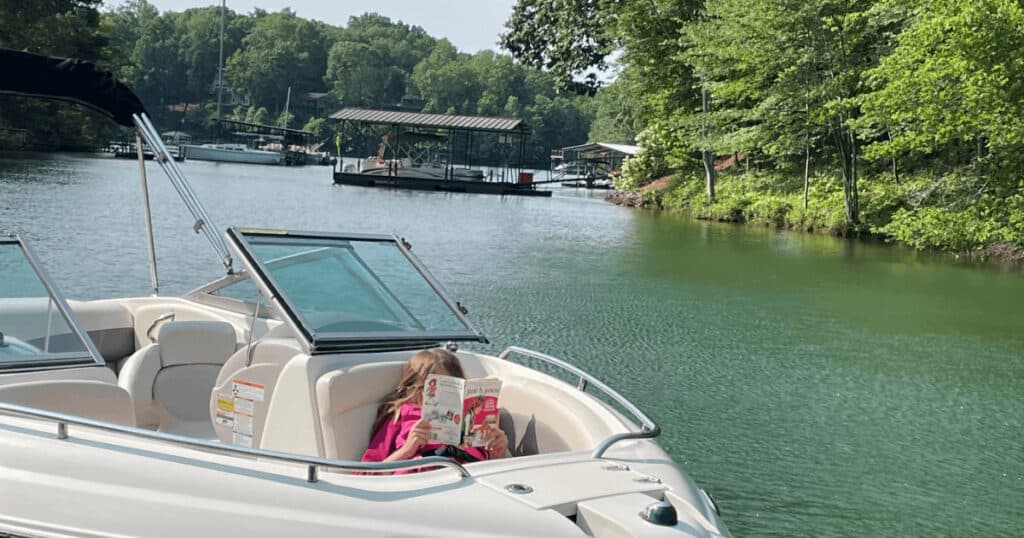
(460, 411)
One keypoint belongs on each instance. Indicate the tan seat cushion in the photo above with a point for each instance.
(91, 399)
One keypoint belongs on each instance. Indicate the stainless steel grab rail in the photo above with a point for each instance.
(648, 429)
(312, 463)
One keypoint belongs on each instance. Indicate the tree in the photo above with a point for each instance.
(282, 50)
(373, 59)
(569, 38)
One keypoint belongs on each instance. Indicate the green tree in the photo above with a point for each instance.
(282, 50)
(373, 60)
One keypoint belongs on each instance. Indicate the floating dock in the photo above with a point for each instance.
(440, 185)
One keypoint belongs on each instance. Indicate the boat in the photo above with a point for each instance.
(575, 168)
(243, 406)
(232, 153)
(407, 168)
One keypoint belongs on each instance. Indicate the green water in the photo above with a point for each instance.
(817, 387)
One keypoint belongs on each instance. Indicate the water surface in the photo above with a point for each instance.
(815, 386)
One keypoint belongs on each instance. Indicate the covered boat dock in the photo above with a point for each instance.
(592, 165)
(434, 152)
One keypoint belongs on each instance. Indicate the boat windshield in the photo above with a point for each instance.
(37, 329)
(349, 292)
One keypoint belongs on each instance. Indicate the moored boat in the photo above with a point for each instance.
(232, 153)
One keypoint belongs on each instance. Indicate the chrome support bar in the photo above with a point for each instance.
(312, 463)
(149, 216)
(203, 223)
(648, 429)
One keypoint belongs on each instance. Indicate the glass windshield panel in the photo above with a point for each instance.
(33, 330)
(342, 287)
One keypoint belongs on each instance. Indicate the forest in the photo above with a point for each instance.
(170, 59)
(894, 119)
(898, 119)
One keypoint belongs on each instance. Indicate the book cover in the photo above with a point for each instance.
(460, 411)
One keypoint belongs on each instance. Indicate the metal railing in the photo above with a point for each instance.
(312, 463)
(648, 429)
(203, 224)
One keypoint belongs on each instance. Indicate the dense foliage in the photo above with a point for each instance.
(171, 61)
(899, 118)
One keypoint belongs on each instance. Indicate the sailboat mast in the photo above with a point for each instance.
(220, 62)
(287, 100)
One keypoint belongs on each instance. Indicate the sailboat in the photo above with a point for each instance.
(232, 153)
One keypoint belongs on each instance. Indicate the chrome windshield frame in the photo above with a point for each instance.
(320, 343)
(89, 356)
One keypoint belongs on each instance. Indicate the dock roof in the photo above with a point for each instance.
(625, 149)
(437, 121)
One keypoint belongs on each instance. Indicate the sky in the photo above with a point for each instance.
(471, 25)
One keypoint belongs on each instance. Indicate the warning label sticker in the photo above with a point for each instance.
(247, 390)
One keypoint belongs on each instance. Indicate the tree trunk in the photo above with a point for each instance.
(848, 157)
(706, 155)
(895, 170)
(807, 171)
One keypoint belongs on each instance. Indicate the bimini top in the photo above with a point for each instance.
(344, 293)
(34, 75)
(436, 121)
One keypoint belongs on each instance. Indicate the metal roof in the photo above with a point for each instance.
(621, 148)
(439, 121)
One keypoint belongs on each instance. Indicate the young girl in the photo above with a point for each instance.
(400, 432)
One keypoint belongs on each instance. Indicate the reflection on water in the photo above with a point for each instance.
(815, 386)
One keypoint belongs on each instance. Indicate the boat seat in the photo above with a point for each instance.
(169, 381)
(90, 399)
(269, 355)
(347, 403)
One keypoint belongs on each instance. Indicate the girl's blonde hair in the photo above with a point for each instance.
(420, 365)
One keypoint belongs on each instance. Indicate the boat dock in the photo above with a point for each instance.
(442, 185)
(590, 166)
(418, 151)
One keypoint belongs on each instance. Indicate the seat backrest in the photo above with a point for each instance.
(242, 424)
(91, 399)
(170, 380)
(347, 403)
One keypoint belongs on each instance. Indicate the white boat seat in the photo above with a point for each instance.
(170, 381)
(269, 355)
(347, 403)
(90, 399)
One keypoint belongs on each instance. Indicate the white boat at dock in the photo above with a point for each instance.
(232, 153)
(407, 168)
(243, 406)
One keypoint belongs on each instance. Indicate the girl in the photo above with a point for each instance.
(400, 432)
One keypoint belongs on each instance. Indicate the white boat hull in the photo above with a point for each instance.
(232, 154)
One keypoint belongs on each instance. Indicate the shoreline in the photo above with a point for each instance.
(1002, 254)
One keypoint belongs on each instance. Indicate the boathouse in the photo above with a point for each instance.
(435, 152)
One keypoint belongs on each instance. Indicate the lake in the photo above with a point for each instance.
(815, 386)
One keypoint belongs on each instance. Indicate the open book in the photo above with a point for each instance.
(460, 411)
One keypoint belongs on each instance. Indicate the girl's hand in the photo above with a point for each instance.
(418, 436)
(497, 443)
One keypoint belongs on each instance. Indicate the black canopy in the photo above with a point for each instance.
(61, 78)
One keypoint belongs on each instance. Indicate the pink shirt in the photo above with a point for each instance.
(393, 434)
